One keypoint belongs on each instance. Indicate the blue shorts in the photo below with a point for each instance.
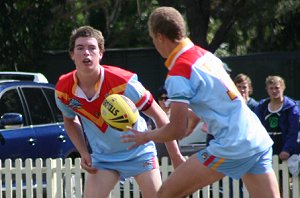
(130, 168)
(259, 163)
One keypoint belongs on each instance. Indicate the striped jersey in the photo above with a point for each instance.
(105, 142)
(197, 77)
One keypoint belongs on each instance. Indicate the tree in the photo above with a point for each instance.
(226, 27)
(237, 27)
(25, 31)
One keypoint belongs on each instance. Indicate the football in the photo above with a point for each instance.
(119, 112)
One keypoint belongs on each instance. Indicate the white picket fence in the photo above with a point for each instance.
(57, 178)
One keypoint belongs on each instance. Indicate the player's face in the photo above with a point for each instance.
(275, 90)
(161, 101)
(86, 54)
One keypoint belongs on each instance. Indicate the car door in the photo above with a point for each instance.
(52, 141)
(15, 142)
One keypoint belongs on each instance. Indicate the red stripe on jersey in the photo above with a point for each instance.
(209, 160)
(115, 81)
(155, 162)
(145, 102)
(183, 64)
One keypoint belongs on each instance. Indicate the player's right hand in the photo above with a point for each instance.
(86, 164)
(137, 137)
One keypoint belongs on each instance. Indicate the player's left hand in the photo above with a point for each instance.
(137, 137)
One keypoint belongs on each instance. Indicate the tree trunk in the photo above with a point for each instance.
(197, 13)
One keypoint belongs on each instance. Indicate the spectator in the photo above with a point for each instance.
(280, 116)
(244, 85)
(162, 97)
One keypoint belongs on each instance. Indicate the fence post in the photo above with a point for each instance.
(28, 176)
(285, 183)
(51, 177)
(78, 178)
(275, 164)
(296, 186)
(8, 181)
(39, 177)
(59, 176)
(18, 175)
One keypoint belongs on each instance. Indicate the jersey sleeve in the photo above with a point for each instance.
(178, 89)
(138, 94)
(66, 111)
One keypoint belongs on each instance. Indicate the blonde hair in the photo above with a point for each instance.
(270, 80)
(167, 21)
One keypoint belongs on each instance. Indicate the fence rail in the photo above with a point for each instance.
(58, 178)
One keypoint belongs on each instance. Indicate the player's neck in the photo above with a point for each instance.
(87, 82)
(88, 79)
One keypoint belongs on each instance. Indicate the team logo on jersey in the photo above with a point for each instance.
(146, 164)
(204, 155)
(74, 103)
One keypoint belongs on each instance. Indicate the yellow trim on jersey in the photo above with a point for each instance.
(118, 89)
(62, 95)
(179, 47)
(218, 163)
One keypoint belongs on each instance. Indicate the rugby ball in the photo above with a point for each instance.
(119, 112)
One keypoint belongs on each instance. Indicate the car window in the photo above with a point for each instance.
(38, 106)
(10, 102)
(51, 97)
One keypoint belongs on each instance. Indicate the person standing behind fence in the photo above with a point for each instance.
(280, 116)
(196, 79)
(244, 85)
(193, 120)
(162, 97)
(79, 95)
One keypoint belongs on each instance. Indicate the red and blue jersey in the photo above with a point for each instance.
(103, 139)
(197, 77)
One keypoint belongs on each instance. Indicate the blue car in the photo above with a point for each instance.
(31, 126)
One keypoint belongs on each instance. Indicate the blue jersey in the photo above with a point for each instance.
(105, 142)
(196, 77)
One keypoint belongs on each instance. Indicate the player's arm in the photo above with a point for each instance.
(74, 131)
(161, 119)
(174, 130)
(179, 120)
(292, 134)
(193, 121)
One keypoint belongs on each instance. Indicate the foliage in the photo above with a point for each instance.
(125, 30)
(230, 27)
(265, 26)
(28, 28)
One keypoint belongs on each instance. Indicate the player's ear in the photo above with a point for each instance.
(71, 54)
(159, 37)
(100, 54)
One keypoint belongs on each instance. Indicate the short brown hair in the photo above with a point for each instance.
(241, 78)
(86, 31)
(167, 21)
